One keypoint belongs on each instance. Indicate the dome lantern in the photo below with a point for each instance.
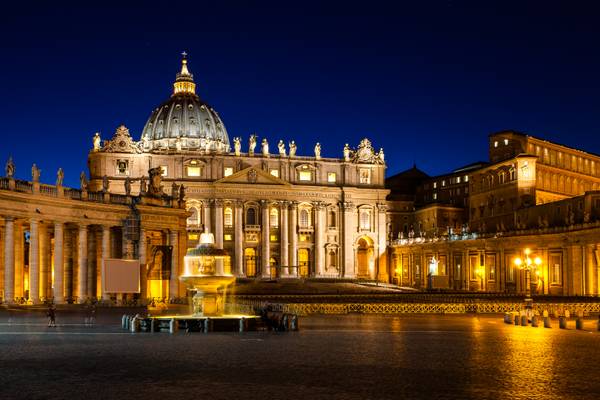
(184, 80)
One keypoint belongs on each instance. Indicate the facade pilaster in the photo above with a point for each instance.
(293, 237)
(82, 261)
(348, 230)
(239, 238)
(59, 286)
(266, 240)
(207, 217)
(174, 278)
(34, 261)
(91, 265)
(319, 238)
(284, 244)
(9, 260)
(105, 255)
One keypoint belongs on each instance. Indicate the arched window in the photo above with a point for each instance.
(251, 216)
(304, 218)
(331, 219)
(365, 219)
(274, 218)
(332, 259)
(228, 217)
(194, 219)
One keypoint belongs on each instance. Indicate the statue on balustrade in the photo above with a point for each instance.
(83, 183)
(347, 152)
(10, 168)
(237, 145)
(35, 173)
(293, 148)
(318, 151)
(265, 147)
(60, 176)
(251, 144)
(97, 142)
(281, 147)
(181, 192)
(155, 188)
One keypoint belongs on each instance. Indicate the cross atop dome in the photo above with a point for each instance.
(184, 80)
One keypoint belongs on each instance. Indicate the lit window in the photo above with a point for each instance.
(274, 238)
(228, 237)
(466, 178)
(193, 236)
(331, 177)
(365, 175)
(305, 238)
(365, 219)
(193, 170)
(274, 218)
(506, 142)
(435, 185)
(496, 143)
(164, 170)
(458, 179)
(435, 196)
(228, 217)
(275, 173)
(443, 183)
(228, 171)
(305, 176)
(304, 218)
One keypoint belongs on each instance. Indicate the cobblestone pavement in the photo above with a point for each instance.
(332, 357)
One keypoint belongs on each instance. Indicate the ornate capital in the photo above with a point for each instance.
(293, 205)
(218, 203)
(347, 206)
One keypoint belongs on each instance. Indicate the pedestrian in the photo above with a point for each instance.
(92, 316)
(51, 315)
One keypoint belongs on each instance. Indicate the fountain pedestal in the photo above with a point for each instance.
(209, 299)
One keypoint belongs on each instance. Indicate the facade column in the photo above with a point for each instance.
(381, 247)
(284, 245)
(82, 261)
(348, 230)
(9, 260)
(142, 252)
(319, 238)
(105, 256)
(266, 240)
(59, 286)
(34, 261)
(91, 265)
(45, 267)
(19, 254)
(239, 238)
(219, 234)
(207, 220)
(293, 237)
(174, 278)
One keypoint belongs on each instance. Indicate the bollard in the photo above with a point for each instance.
(242, 324)
(524, 320)
(173, 326)
(135, 325)
(547, 322)
(123, 319)
(153, 325)
(517, 319)
(207, 325)
(294, 323)
(562, 322)
(579, 323)
(127, 322)
(534, 321)
(507, 318)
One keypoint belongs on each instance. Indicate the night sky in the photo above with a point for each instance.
(427, 83)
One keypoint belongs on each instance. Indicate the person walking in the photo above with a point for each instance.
(51, 315)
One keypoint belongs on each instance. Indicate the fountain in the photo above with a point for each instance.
(204, 274)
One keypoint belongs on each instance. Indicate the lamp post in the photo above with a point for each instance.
(528, 263)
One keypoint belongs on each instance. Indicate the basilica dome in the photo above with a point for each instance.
(184, 121)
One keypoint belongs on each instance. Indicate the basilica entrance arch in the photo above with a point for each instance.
(365, 262)
(159, 272)
(250, 260)
(303, 262)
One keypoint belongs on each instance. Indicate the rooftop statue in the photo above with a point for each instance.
(265, 147)
(293, 149)
(318, 151)
(60, 175)
(97, 141)
(237, 145)
(251, 144)
(281, 147)
(10, 168)
(35, 173)
(347, 152)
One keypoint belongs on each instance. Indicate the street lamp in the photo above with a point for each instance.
(528, 263)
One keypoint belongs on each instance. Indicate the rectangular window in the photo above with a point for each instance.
(305, 176)
(164, 170)
(193, 170)
(555, 268)
(331, 177)
(228, 237)
(490, 264)
(466, 178)
(365, 175)
(228, 171)
(473, 266)
(192, 236)
(435, 196)
(435, 185)
(274, 238)
(274, 172)
(123, 167)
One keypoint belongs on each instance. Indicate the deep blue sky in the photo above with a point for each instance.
(428, 83)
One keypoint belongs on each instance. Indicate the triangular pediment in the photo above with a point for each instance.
(253, 176)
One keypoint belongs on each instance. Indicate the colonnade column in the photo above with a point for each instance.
(82, 261)
(239, 237)
(349, 228)
(44, 250)
(34, 261)
(105, 255)
(283, 248)
(293, 237)
(142, 250)
(9, 260)
(19, 254)
(174, 278)
(59, 286)
(219, 234)
(319, 239)
(266, 240)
